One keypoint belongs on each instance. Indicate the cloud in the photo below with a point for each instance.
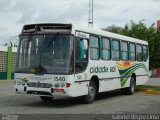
(27, 11)
(15, 13)
(156, 0)
(5, 5)
(66, 12)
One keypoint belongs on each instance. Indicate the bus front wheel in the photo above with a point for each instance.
(90, 97)
(46, 98)
(131, 89)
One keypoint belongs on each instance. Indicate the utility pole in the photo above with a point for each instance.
(90, 18)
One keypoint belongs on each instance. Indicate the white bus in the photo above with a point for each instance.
(64, 60)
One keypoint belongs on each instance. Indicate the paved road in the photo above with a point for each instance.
(106, 103)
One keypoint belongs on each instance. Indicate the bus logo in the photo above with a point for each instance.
(98, 69)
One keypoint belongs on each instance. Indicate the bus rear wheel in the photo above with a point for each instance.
(91, 96)
(46, 98)
(131, 89)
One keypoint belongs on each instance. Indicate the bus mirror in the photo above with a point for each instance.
(85, 44)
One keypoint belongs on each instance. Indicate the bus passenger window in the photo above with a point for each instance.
(132, 50)
(94, 48)
(145, 53)
(115, 50)
(81, 54)
(139, 54)
(124, 50)
(83, 49)
(105, 49)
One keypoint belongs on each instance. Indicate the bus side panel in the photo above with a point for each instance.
(79, 89)
(127, 84)
(140, 80)
(109, 84)
(141, 76)
(80, 85)
(107, 73)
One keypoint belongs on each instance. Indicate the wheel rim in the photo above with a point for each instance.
(132, 86)
(91, 93)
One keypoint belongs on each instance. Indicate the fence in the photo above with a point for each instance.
(7, 62)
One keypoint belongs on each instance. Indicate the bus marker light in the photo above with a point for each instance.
(68, 85)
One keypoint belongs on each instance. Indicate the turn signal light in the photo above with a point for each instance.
(68, 85)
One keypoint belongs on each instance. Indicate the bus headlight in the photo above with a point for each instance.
(59, 85)
(62, 84)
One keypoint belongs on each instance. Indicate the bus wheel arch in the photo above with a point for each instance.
(134, 76)
(95, 79)
(131, 89)
(93, 88)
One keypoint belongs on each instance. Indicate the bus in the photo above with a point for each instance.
(64, 60)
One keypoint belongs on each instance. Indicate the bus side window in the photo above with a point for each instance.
(105, 49)
(145, 53)
(115, 50)
(132, 52)
(81, 54)
(94, 48)
(139, 54)
(83, 49)
(124, 50)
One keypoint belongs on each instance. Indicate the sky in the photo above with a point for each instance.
(15, 13)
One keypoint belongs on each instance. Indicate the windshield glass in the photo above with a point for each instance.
(45, 54)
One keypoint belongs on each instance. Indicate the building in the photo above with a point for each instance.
(7, 62)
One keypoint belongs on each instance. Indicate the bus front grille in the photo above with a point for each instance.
(39, 85)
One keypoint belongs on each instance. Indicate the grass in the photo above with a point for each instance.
(155, 88)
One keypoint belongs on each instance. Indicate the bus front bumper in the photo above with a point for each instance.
(55, 92)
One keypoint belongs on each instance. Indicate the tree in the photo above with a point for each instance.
(141, 31)
(113, 28)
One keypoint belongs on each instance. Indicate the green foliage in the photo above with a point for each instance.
(114, 29)
(141, 31)
(149, 87)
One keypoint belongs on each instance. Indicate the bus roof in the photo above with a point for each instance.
(33, 27)
(108, 34)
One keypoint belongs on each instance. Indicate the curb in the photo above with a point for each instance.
(6, 81)
(152, 92)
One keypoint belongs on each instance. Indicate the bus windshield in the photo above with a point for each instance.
(45, 54)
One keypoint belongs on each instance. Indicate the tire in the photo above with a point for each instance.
(46, 98)
(131, 89)
(91, 96)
